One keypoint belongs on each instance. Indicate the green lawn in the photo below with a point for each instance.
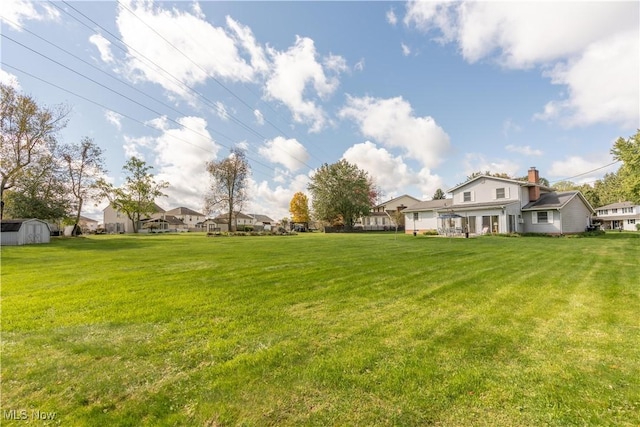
(314, 329)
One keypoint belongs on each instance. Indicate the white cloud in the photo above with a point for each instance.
(287, 152)
(247, 41)
(180, 154)
(359, 65)
(15, 12)
(259, 117)
(213, 49)
(114, 118)
(294, 71)
(104, 47)
(509, 126)
(525, 149)
(592, 48)
(574, 167)
(406, 51)
(274, 202)
(392, 123)
(9, 79)
(221, 110)
(391, 17)
(475, 162)
(391, 173)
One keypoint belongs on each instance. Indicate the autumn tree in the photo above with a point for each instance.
(27, 134)
(299, 209)
(84, 165)
(340, 192)
(628, 151)
(229, 182)
(136, 197)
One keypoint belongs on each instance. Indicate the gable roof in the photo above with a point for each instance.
(155, 205)
(9, 225)
(555, 200)
(237, 215)
(396, 198)
(496, 178)
(183, 211)
(429, 205)
(261, 218)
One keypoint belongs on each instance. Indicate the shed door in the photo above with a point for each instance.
(34, 233)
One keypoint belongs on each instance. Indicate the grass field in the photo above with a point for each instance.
(314, 329)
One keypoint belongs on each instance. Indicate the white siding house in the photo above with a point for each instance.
(619, 216)
(24, 232)
(493, 205)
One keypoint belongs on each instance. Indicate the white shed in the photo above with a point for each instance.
(24, 232)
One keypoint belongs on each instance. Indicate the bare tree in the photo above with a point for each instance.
(27, 132)
(229, 181)
(84, 165)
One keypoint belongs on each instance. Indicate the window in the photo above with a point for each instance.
(466, 196)
(416, 216)
(631, 221)
(614, 210)
(542, 217)
(500, 193)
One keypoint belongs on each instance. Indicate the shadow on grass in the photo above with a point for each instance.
(110, 243)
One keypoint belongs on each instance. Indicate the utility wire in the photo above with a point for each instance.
(588, 172)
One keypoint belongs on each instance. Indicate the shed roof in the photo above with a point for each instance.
(9, 225)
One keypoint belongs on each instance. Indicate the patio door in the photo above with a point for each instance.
(471, 224)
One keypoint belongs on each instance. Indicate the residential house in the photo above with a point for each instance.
(192, 219)
(14, 232)
(117, 222)
(488, 204)
(239, 219)
(423, 216)
(88, 225)
(163, 223)
(619, 216)
(262, 222)
(383, 216)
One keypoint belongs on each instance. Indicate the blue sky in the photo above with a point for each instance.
(419, 94)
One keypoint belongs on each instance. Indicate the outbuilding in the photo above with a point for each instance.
(24, 232)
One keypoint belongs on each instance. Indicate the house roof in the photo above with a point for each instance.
(155, 205)
(496, 178)
(555, 200)
(183, 211)
(85, 219)
(261, 218)
(9, 225)
(237, 215)
(480, 206)
(429, 205)
(617, 205)
(169, 219)
(388, 202)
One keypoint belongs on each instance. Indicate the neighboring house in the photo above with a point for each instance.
(383, 216)
(15, 232)
(161, 222)
(262, 222)
(239, 219)
(487, 204)
(423, 216)
(192, 219)
(88, 225)
(619, 216)
(117, 222)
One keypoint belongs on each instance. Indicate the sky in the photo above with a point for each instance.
(418, 94)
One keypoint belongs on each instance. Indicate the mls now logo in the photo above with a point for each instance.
(15, 414)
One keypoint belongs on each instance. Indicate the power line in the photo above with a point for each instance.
(588, 172)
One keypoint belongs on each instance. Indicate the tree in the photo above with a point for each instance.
(27, 133)
(84, 164)
(609, 189)
(299, 209)
(41, 192)
(136, 197)
(439, 195)
(229, 182)
(341, 192)
(628, 151)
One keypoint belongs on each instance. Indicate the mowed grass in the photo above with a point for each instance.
(314, 329)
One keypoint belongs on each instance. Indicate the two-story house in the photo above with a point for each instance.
(117, 222)
(192, 220)
(385, 216)
(488, 204)
(619, 216)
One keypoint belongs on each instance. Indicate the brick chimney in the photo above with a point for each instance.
(534, 190)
